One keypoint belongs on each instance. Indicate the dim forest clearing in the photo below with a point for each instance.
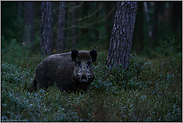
(149, 90)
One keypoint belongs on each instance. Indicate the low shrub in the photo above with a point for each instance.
(149, 90)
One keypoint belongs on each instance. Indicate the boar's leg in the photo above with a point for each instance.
(39, 83)
(42, 83)
(42, 79)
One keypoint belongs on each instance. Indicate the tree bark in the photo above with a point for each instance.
(21, 21)
(97, 25)
(155, 24)
(74, 30)
(46, 28)
(85, 31)
(29, 24)
(176, 16)
(20, 8)
(108, 7)
(148, 23)
(61, 28)
(122, 34)
(138, 34)
(67, 25)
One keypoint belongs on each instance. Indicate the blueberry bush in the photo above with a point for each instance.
(148, 90)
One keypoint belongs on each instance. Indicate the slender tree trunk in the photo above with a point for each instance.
(61, 28)
(20, 8)
(108, 7)
(21, 21)
(97, 25)
(29, 24)
(74, 30)
(85, 31)
(139, 29)
(162, 8)
(68, 25)
(155, 24)
(100, 14)
(122, 34)
(176, 16)
(46, 28)
(148, 22)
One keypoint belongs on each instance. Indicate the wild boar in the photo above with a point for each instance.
(72, 71)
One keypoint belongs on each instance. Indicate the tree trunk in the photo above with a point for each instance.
(46, 28)
(108, 7)
(148, 23)
(61, 28)
(155, 24)
(138, 36)
(85, 31)
(176, 17)
(97, 25)
(29, 24)
(122, 34)
(67, 25)
(21, 21)
(74, 30)
(20, 8)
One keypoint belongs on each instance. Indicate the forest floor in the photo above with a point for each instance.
(149, 90)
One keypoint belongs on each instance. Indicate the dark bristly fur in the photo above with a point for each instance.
(71, 71)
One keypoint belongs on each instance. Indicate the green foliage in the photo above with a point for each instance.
(12, 23)
(12, 52)
(19, 54)
(170, 46)
(149, 90)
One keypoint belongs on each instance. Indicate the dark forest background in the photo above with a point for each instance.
(88, 26)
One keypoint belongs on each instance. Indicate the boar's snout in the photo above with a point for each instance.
(84, 76)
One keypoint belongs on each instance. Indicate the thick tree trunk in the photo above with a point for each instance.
(29, 24)
(122, 34)
(46, 28)
(61, 28)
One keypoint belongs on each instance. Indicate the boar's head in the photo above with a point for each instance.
(83, 70)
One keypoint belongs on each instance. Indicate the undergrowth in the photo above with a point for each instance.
(149, 90)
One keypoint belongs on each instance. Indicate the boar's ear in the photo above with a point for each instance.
(74, 54)
(93, 54)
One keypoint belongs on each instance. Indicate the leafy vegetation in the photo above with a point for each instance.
(149, 90)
